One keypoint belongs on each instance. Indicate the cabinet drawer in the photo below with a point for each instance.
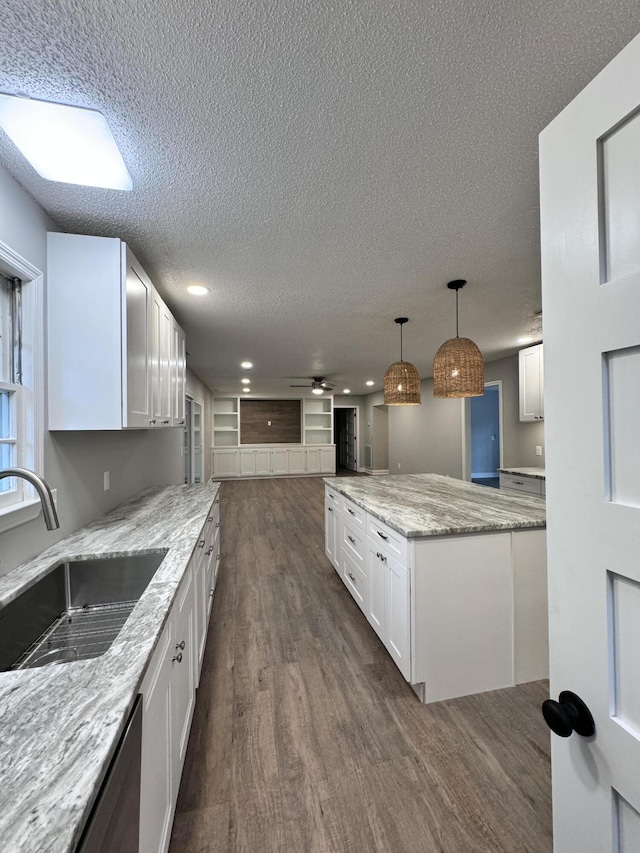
(353, 539)
(333, 498)
(356, 580)
(531, 485)
(387, 538)
(355, 514)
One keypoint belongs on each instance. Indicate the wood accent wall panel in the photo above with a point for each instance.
(285, 417)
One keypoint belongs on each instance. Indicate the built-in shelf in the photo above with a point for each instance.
(318, 421)
(226, 431)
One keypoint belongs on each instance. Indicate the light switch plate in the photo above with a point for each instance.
(538, 450)
(107, 481)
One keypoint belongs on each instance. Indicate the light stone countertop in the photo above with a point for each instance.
(60, 724)
(419, 505)
(538, 473)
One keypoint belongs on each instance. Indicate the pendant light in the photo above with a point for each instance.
(458, 368)
(402, 380)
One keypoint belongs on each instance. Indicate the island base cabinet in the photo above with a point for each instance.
(462, 599)
(398, 615)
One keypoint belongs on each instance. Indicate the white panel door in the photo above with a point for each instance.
(590, 217)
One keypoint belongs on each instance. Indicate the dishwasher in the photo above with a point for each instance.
(114, 822)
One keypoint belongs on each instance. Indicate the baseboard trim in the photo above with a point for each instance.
(379, 473)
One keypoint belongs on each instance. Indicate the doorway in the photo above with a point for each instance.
(345, 437)
(193, 442)
(485, 419)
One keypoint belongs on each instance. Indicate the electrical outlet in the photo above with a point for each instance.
(398, 466)
(538, 450)
(268, 423)
(107, 481)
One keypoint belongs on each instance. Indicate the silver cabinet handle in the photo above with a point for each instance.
(217, 524)
(177, 658)
(180, 422)
(211, 591)
(380, 556)
(180, 645)
(330, 508)
(153, 421)
(210, 518)
(217, 556)
(201, 543)
(518, 483)
(217, 501)
(164, 422)
(209, 551)
(382, 536)
(351, 576)
(350, 510)
(351, 539)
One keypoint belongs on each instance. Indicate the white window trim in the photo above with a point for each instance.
(33, 381)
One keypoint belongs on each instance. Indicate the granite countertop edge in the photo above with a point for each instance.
(423, 505)
(535, 473)
(61, 724)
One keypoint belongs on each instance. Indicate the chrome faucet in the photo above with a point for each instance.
(43, 490)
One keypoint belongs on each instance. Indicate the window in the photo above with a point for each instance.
(21, 384)
(11, 444)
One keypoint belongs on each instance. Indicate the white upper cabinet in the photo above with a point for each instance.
(531, 364)
(110, 340)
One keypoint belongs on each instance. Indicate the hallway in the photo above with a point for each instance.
(307, 738)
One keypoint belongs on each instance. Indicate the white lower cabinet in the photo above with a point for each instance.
(458, 614)
(273, 461)
(389, 606)
(169, 691)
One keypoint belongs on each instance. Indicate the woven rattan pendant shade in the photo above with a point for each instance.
(458, 368)
(402, 380)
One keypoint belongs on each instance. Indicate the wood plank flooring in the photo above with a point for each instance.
(306, 737)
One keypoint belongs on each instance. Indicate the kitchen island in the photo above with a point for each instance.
(450, 575)
(61, 723)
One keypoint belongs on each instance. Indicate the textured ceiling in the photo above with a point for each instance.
(323, 167)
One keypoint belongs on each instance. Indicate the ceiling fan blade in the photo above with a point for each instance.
(300, 386)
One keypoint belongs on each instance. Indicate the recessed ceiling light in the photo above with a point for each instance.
(246, 381)
(347, 391)
(198, 290)
(525, 340)
(247, 365)
(71, 145)
(370, 382)
(246, 390)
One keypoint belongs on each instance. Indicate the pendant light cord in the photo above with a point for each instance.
(457, 335)
(401, 359)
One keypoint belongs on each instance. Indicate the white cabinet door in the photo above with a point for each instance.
(183, 695)
(178, 375)
(156, 797)
(247, 463)
(297, 461)
(332, 530)
(138, 295)
(328, 460)
(312, 464)
(531, 371)
(377, 571)
(263, 463)
(225, 463)
(279, 461)
(397, 632)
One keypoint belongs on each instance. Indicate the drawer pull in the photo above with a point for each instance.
(351, 539)
(180, 645)
(330, 508)
(518, 483)
(350, 510)
(380, 556)
(382, 536)
(351, 576)
(177, 658)
(206, 553)
(210, 518)
(217, 524)
(211, 591)
(201, 543)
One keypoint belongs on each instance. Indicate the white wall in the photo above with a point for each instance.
(74, 462)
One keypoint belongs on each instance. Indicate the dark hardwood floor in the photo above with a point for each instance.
(307, 738)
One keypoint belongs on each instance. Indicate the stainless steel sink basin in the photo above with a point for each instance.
(75, 611)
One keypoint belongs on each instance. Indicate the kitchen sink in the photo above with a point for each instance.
(75, 611)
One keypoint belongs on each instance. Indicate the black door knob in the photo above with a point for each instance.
(569, 714)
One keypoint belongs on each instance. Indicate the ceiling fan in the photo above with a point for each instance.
(318, 385)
